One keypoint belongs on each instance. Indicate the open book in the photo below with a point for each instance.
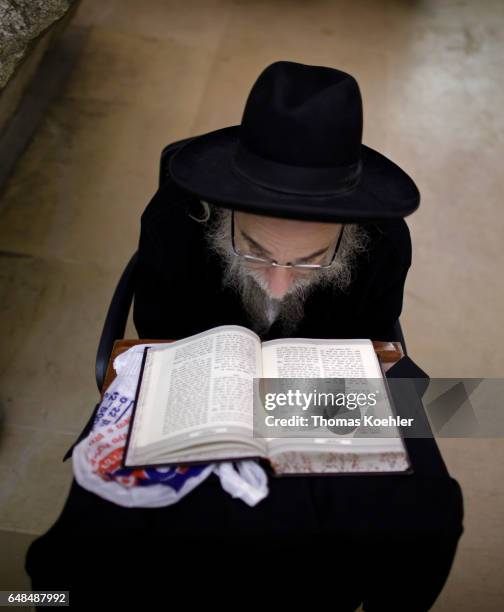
(195, 403)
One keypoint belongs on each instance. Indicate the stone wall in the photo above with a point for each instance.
(28, 29)
(22, 23)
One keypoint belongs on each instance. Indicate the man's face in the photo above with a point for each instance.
(279, 294)
(284, 241)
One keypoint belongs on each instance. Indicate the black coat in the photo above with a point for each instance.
(178, 289)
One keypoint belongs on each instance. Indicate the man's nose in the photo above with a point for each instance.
(279, 281)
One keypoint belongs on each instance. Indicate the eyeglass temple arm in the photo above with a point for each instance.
(339, 241)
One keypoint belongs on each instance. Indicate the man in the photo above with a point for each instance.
(289, 225)
(286, 224)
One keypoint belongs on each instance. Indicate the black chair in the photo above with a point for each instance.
(117, 315)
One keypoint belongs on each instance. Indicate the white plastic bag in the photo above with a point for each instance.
(97, 458)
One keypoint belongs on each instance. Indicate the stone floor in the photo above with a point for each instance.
(432, 84)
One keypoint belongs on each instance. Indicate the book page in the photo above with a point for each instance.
(315, 358)
(204, 381)
(355, 361)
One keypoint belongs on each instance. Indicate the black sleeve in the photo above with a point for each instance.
(151, 300)
(383, 305)
(154, 284)
(167, 284)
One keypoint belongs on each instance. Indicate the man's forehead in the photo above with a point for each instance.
(306, 247)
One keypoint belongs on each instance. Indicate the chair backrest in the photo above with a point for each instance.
(116, 319)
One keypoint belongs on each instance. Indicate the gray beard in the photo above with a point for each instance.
(263, 309)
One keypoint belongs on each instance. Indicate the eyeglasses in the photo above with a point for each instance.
(254, 262)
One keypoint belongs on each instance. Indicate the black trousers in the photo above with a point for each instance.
(385, 540)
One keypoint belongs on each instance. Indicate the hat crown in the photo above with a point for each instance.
(298, 153)
(303, 115)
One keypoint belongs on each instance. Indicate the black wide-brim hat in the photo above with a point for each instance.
(297, 153)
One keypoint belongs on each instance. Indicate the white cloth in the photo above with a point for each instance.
(97, 458)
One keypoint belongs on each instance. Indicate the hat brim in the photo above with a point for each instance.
(203, 167)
